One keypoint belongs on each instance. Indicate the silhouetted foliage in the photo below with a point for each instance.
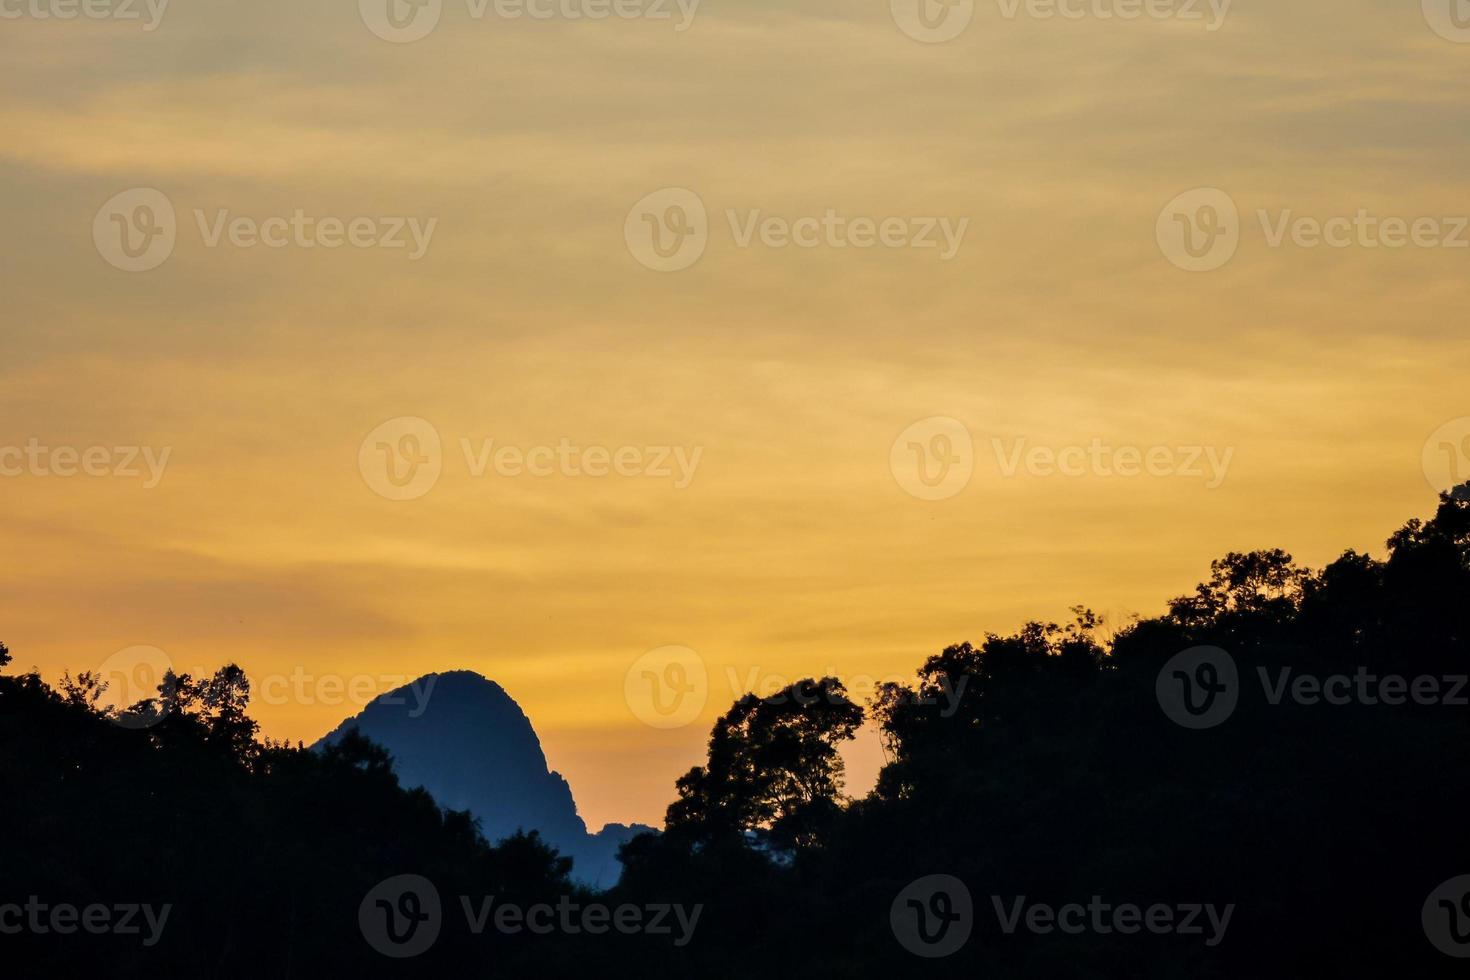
(264, 851)
(1035, 764)
(1040, 764)
(774, 771)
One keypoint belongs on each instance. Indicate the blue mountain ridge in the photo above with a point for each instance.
(462, 738)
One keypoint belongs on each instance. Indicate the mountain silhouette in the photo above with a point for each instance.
(462, 738)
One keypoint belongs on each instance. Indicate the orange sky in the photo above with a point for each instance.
(801, 540)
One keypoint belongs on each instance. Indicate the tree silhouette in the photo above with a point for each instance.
(263, 851)
(1039, 763)
(773, 770)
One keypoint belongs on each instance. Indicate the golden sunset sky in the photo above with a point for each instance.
(796, 548)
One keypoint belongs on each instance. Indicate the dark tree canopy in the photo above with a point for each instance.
(1038, 763)
(774, 770)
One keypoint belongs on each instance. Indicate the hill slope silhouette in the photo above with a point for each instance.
(462, 738)
(1321, 810)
